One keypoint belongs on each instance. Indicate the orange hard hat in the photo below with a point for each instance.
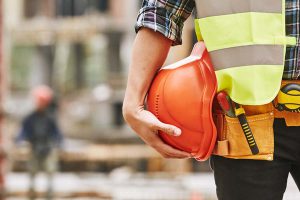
(182, 94)
(42, 95)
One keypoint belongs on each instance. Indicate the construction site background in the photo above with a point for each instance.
(81, 49)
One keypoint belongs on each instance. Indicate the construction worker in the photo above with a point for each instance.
(254, 47)
(40, 129)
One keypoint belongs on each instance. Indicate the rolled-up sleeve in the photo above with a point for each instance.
(165, 16)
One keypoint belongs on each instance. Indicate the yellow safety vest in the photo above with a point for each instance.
(246, 40)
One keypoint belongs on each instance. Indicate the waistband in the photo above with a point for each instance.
(291, 118)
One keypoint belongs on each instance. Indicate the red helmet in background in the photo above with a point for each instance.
(43, 95)
(182, 95)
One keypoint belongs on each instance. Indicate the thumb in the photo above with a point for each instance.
(169, 129)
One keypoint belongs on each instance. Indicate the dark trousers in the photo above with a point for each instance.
(260, 180)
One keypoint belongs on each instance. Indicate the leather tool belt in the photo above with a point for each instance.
(231, 142)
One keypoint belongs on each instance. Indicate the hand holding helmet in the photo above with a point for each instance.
(182, 94)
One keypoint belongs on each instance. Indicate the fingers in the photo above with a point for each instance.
(154, 124)
(169, 129)
(169, 152)
(146, 125)
(164, 149)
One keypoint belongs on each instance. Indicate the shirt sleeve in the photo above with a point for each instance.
(165, 16)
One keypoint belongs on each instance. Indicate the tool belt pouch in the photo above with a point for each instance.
(231, 141)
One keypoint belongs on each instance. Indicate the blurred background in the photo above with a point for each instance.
(81, 49)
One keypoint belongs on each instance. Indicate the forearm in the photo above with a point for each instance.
(149, 53)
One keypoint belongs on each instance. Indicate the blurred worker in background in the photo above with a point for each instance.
(40, 129)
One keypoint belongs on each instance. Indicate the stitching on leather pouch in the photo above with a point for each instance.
(250, 120)
(272, 133)
(270, 138)
(225, 129)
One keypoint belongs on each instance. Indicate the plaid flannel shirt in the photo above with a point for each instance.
(168, 16)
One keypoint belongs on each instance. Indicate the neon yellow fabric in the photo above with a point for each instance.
(251, 85)
(198, 31)
(286, 40)
(241, 29)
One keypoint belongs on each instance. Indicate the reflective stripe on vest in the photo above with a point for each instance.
(246, 40)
